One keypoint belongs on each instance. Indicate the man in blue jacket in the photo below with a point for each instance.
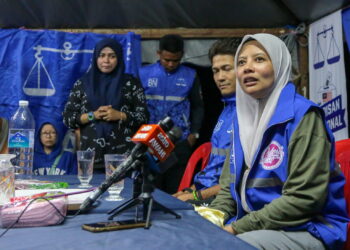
(206, 183)
(173, 89)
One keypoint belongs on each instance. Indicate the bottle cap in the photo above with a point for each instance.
(23, 103)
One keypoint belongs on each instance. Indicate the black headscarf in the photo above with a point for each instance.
(105, 89)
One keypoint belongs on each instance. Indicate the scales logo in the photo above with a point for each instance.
(38, 81)
(272, 156)
(327, 49)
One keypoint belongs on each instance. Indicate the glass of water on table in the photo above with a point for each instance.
(85, 167)
(112, 163)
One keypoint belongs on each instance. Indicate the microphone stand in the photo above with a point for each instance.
(142, 195)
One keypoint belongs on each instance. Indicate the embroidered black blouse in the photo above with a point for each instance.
(118, 141)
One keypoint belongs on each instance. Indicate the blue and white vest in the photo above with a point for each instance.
(220, 141)
(167, 94)
(264, 181)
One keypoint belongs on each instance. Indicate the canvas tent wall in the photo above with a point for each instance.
(157, 14)
(151, 19)
(200, 22)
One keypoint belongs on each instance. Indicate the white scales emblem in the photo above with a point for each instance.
(38, 81)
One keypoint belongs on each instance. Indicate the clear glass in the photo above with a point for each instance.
(7, 178)
(112, 163)
(85, 167)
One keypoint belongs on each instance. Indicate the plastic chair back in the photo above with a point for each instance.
(201, 154)
(342, 156)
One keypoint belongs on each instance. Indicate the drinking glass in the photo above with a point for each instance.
(85, 167)
(112, 162)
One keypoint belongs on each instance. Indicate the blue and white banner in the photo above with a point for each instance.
(327, 72)
(42, 66)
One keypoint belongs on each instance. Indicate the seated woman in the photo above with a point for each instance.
(281, 188)
(54, 153)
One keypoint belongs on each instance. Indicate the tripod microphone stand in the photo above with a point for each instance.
(142, 195)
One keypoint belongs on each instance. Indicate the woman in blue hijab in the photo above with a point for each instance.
(54, 153)
(107, 105)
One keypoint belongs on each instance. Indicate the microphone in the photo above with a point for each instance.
(155, 162)
(158, 142)
(150, 138)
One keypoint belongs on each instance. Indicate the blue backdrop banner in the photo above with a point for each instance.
(42, 66)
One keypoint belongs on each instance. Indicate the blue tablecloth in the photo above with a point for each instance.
(166, 232)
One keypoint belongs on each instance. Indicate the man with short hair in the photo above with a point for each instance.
(206, 182)
(173, 89)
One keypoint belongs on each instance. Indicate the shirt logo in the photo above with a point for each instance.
(218, 126)
(152, 82)
(181, 82)
(272, 156)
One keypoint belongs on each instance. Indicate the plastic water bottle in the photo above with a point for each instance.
(21, 139)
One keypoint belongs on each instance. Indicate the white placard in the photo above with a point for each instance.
(327, 72)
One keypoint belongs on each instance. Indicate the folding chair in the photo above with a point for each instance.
(342, 156)
(201, 154)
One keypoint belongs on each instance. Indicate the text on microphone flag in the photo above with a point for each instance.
(140, 136)
(146, 128)
(156, 139)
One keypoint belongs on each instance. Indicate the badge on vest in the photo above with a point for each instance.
(272, 156)
(152, 82)
(218, 126)
(181, 82)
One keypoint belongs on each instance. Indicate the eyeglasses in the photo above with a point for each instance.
(48, 134)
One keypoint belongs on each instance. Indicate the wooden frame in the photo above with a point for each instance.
(186, 33)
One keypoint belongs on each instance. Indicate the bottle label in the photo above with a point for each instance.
(21, 138)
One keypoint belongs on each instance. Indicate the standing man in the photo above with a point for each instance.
(206, 183)
(173, 89)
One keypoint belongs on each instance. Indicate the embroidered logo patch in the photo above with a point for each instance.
(218, 126)
(152, 82)
(272, 156)
(181, 82)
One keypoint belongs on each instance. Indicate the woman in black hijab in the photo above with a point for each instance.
(107, 105)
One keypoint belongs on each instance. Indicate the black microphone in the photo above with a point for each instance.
(132, 162)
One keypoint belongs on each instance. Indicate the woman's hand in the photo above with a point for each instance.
(107, 113)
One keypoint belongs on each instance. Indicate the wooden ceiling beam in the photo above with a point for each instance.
(186, 33)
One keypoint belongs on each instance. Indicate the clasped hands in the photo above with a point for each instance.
(107, 113)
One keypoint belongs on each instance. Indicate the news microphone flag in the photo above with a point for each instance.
(157, 141)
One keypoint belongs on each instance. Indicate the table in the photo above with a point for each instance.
(166, 232)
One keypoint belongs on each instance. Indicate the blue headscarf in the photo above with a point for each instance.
(60, 131)
(41, 159)
(43, 163)
(105, 89)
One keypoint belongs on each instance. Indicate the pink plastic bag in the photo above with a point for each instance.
(39, 213)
